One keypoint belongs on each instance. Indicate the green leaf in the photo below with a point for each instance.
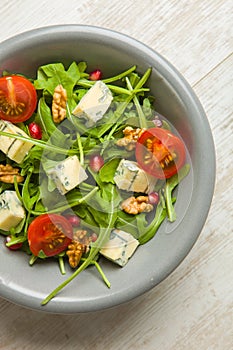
(82, 66)
(52, 75)
(148, 232)
(42, 255)
(171, 184)
(74, 72)
(108, 170)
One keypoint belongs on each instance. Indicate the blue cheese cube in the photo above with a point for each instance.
(130, 177)
(120, 247)
(13, 148)
(67, 174)
(94, 104)
(11, 210)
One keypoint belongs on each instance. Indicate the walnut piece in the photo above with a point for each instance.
(78, 246)
(130, 138)
(59, 104)
(8, 173)
(136, 205)
(74, 252)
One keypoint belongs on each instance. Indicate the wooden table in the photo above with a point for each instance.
(193, 307)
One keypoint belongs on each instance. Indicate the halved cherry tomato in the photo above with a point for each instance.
(160, 153)
(49, 233)
(18, 98)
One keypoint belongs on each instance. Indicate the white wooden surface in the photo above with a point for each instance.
(193, 308)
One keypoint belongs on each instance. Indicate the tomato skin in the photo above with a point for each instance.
(18, 98)
(160, 153)
(50, 233)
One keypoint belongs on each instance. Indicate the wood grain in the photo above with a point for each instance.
(193, 308)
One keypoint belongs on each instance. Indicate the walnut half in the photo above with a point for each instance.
(59, 104)
(74, 252)
(130, 138)
(78, 246)
(136, 205)
(8, 173)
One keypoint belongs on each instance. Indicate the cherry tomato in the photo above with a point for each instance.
(18, 98)
(160, 153)
(49, 233)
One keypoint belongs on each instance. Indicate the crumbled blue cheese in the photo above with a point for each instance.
(130, 177)
(120, 247)
(67, 174)
(94, 104)
(11, 210)
(13, 148)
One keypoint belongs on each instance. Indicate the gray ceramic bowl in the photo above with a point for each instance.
(153, 262)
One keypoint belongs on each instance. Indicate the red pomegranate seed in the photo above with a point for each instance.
(95, 75)
(13, 246)
(153, 198)
(35, 131)
(96, 162)
(74, 220)
(94, 237)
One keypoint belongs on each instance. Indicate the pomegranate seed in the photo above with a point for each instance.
(35, 131)
(158, 122)
(96, 162)
(74, 220)
(94, 237)
(95, 75)
(13, 246)
(153, 198)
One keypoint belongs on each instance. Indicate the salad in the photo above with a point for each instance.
(88, 169)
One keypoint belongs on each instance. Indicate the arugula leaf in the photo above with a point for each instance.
(108, 170)
(44, 119)
(148, 232)
(52, 75)
(30, 193)
(77, 71)
(171, 183)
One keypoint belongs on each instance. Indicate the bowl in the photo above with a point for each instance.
(114, 52)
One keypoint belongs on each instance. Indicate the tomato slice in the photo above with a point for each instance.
(49, 233)
(18, 98)
(160, 153)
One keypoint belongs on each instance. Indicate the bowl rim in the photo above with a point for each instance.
(182, 86)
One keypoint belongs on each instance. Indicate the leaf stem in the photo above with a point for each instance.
(87, 83)
(141, 115)
(120, 110)
(114, 88)
(106, 281)
(39, 143)
(120, 76)
(61, 265)
(100, 270)
(67, 206)
(33, 260)
(81, 154)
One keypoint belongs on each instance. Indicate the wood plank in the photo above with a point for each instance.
(193, 35)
